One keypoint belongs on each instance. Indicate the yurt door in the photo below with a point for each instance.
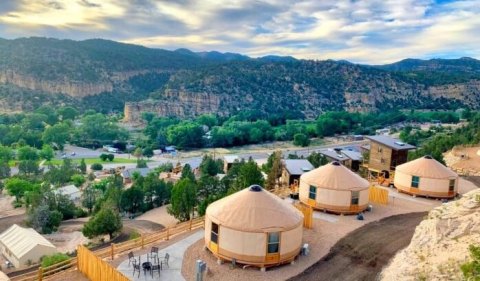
(214, 238)
(273, 247)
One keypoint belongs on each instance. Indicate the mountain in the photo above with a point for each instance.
(104, 75)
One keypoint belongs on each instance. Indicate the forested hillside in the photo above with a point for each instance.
(103, 75)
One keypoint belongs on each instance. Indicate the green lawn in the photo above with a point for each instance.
(90, 161)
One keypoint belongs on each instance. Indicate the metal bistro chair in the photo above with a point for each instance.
(156, 266)
(165, 261)
(131, 258)
(137, 266)
(153, 253)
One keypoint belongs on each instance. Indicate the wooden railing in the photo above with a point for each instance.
(114, 249)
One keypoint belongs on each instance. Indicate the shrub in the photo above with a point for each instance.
(96, 166)
(301, 140)
(134, 235)
(103, 157)
(53, 259)
(110, 157)
(78, 180)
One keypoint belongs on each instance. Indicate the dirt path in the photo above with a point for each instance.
(363, 253)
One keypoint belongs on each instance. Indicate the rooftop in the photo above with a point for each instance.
(21, 240)
(297, 166)
(395, 144)
(128, 173)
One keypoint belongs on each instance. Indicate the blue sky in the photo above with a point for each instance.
(377, 31)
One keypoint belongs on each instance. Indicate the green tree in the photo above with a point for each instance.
(187, 173)
(83, 166)
(78, 180)
(210, 167)
(47, 152)
(132, 200)
(301, 140)
(27, 153)
(103, 157)
(275, 170)
(6, 153)
(183, 199)
(317, 159)
(185, 135)
(110, 157)
(17, 187)
(5, 170)
(67, 113)
(57, 135)
(106, 221)
(248, 174)
(148, 152)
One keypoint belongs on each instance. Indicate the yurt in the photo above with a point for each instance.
(254, 227)
(426, 177)
(334, 188)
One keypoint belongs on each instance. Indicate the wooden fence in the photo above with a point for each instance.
(96, 269)
(307, 214)
(378, 195)
(110, 252)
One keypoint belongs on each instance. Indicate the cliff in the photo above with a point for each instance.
(104, 75)
(440, 243)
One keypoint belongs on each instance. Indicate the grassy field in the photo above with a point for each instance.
(90, 161)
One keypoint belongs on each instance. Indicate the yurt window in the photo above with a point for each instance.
(312, 194)
(214, 234)
(415, 181)
(355, 197)
(451, 185)
(273, 242)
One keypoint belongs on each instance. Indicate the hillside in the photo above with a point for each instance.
(440, 243)
(103, 75)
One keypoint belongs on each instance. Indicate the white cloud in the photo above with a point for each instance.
(375, 31)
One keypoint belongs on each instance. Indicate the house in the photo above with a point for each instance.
(23, 246)
(293, 169)
(348, 157)
(228, 161)
(71, 191)
(127, 174)
(386, 153)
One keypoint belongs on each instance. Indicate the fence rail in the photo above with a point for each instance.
(110, 252)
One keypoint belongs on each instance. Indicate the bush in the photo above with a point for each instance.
(103, 157)
(96, 167)
(53, 259)
(110, 157)
(80, 213)
(78, 180)
(301, 140)
(134, 235)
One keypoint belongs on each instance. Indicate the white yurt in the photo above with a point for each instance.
(426, 177)
(254, 227)
(334, 188)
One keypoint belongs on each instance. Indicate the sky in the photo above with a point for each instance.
(373, 32)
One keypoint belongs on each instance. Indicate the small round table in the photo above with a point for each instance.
(147, 266)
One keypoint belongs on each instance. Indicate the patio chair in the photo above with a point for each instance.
(131, 258)
(156, 266)
(137, 266)
(165, 260)
(153, 253)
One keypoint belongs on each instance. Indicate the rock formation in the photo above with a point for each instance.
(440, 243)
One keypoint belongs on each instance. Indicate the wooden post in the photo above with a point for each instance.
(190, 228)
(168, 233)
(112, 250)
(143, 241)
(40, 273)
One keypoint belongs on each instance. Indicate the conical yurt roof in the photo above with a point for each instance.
(426, 167)
(334, 176)
(254, 209)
